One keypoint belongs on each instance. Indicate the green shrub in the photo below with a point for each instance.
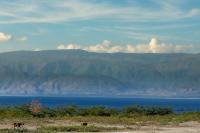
(158, 111)
(97, 111)
(135, 110)
(47, 112)
(130, 110)
(70, 110)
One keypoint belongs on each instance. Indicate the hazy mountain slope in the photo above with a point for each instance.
(80, 73)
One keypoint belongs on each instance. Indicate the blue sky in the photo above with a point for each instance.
(100, 25)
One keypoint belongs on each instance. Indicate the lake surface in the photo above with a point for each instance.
(178, 105)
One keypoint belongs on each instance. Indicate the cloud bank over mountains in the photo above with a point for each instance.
(42, 25)
(154, 46)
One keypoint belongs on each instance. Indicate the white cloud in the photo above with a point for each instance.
(69, 46)
(156, 47)
(37, 49)
(105, 46)
(4, 37)
(153, 47)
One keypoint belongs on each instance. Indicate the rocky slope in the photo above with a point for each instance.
(81, 73)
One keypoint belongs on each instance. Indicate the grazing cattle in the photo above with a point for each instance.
(84, 124)
(18, 125)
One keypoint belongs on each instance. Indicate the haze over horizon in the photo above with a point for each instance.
(130, 26)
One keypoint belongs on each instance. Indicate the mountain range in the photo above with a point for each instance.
(82, 73)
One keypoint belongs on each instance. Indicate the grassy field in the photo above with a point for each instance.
(64, 119)
(51, 129)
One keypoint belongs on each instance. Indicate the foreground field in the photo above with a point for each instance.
(74, 125)
(136, 119)
(46, 125)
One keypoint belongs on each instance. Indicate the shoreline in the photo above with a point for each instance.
(106, 97)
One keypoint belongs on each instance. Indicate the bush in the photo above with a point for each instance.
(135, 110)
(71, 110)
(158, 111)
(130, 110)
(97, 111)
(47, 112)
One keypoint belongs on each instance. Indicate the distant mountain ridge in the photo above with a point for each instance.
(81, 73)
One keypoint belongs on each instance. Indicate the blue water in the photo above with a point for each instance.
(178, 105)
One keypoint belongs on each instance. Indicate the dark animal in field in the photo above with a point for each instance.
(84, 124)
(18, 125)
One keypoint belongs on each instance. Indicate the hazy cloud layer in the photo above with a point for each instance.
(74, 10)
(153, 47)
(4, 37)
(23, 38)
